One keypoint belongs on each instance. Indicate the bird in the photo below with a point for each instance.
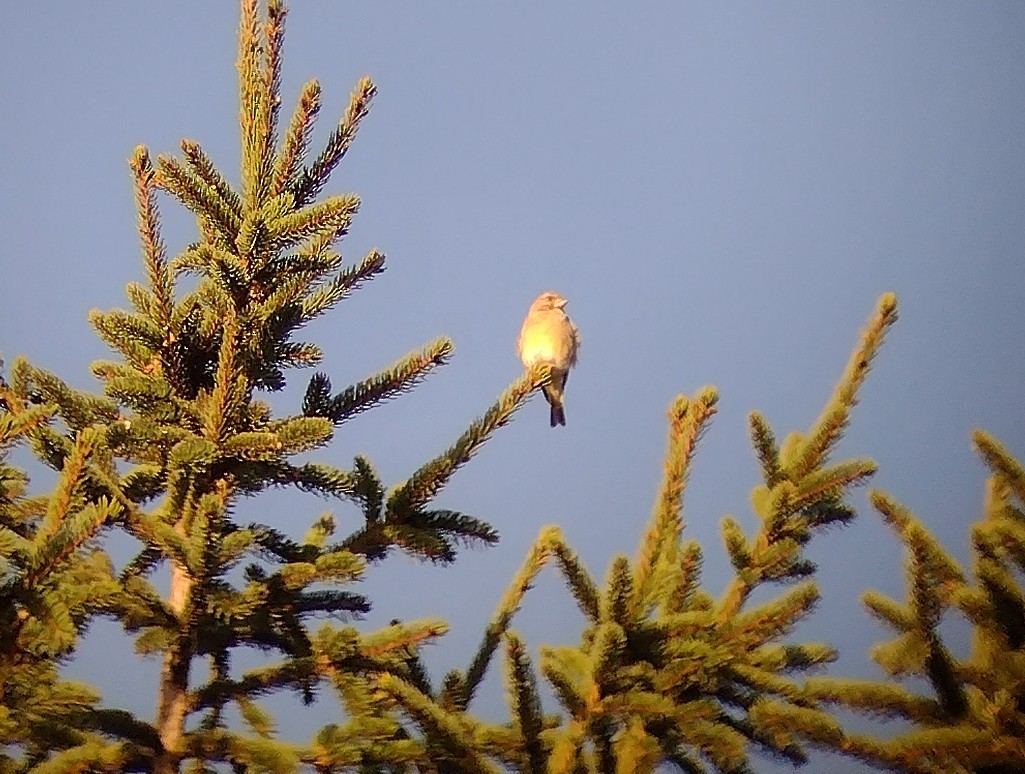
(549, 336)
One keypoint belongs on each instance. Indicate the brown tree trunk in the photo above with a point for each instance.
(172, 700)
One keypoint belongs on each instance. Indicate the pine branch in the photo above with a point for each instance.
(317, 478)
(421, 487)
(521, 688)
(564, 668)
(536, 559)
(401, 639)
(808, 494)
(973, 724)
(1004, 592)
(312, 179)
(684, 581)
(254, 106)
(330, 293)
(202, 166)
(73, 534)
(77, 408)
(766, 448)
(329, 220)
(334, 603)
(1001, 462)
(581, 585)
(618, 590)
(687, 422)
(888, 611)
(153, 250)
(242, 753)
(292, 674)
(826, 483)
(459, 526)
(876, 699)
(297, 138)
(427, 544)
(830, 425)
(451, 732)
(72, 474)
(397, 379)
(782, 747)
(230, 391)
(122, 724)
(770, 621)
(206, 201)
(93, 755)
(274, 35)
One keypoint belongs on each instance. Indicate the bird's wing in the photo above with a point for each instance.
(575, 349)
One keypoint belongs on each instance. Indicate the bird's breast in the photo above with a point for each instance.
(538, 350)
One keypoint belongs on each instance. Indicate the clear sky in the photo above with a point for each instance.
(722, 190)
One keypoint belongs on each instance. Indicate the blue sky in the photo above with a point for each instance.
(722, 191)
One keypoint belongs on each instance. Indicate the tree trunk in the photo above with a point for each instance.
(174, 681)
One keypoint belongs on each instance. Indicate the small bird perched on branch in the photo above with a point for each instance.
(549, 336)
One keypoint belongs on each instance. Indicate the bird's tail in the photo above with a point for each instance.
(558, 413)
(558, 416)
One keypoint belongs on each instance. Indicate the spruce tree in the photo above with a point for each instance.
(178, 441)
(51, 582)
(665, 671)
(972, 718)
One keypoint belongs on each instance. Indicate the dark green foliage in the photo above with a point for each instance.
(180, 438)
(52, 580)
(665, 673)
(974, 719)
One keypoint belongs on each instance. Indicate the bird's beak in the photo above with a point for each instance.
(561, 303)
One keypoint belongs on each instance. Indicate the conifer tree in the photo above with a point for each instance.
(179, 440)
(972, 720)
(666, 672)
(51, 582)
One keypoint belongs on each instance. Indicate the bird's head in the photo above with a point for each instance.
(548, 300)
